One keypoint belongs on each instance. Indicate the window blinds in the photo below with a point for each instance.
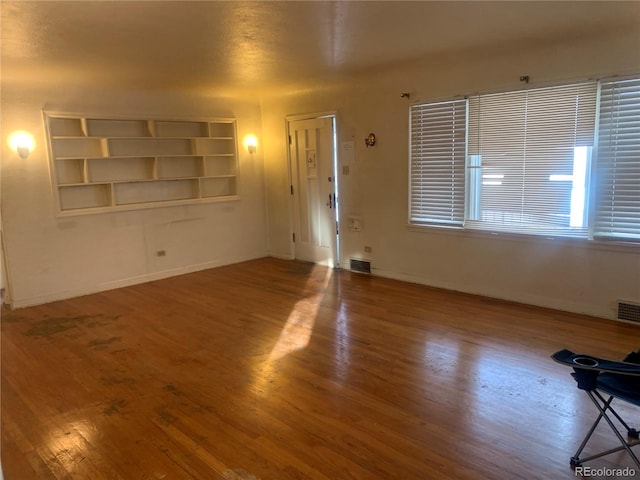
(529, 155)
(437, 171)
(618, 161)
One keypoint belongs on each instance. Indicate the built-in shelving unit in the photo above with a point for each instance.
(106, 164)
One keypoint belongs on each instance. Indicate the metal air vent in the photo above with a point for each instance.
(629, 311)
(362, 266)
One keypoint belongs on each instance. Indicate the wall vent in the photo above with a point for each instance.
(362, 266)
(628, 311)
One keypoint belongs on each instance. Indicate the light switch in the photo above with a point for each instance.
(354, 223)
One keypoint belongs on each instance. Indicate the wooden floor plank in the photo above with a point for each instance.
(272, 369)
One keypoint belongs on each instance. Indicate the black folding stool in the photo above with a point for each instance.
(620, 380)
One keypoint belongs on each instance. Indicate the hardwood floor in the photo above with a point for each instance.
(272, 369)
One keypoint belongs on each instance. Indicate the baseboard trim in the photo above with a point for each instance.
(282, 256)
(534, 300)
(125, 282)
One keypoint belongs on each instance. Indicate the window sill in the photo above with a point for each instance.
(614, 246)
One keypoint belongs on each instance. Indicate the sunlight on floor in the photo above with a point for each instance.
(296, 332)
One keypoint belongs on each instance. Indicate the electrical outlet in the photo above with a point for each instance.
(161, 253)
(345, 169)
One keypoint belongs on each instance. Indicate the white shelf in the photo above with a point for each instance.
(156, 191)
(117, 128)
(110, 164)
(85, 196)
(179, 167)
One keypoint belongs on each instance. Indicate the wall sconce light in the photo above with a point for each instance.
(370, 141)
(22, 143)
(251, 143)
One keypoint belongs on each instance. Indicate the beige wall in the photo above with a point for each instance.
(50, 258)
(571, 275)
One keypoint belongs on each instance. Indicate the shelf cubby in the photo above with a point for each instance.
(218, 187)
(70, 171)
(158, 191)
(219, 165)
(124, 147)
(181, 129)
(117, 128)
(120, 169)
(66, 127)
(179, 167)
(80, 147)
(215, 146)
(84, 196)
(222, 130)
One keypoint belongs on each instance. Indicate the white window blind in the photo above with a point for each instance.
(437, 171)
(618, 161)
(529, 160)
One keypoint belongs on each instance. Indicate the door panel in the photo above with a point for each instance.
(312, 172)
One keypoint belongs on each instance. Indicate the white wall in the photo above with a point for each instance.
(570, 275)
(51, 258)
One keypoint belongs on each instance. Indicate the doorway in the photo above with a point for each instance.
(314, 189)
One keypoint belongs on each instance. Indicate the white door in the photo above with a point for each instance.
(311, 144)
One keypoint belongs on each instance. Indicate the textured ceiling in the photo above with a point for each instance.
(265, 47)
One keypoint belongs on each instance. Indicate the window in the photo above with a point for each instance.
(438, 146)
(531, 161)
(528, 148)
(618, 170)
